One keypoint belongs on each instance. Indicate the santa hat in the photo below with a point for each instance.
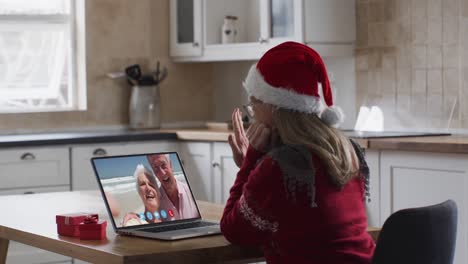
(288, 75)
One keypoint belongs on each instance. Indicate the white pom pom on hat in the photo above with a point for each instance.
(288, 76)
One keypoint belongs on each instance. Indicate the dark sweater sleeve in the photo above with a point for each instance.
(249, 216)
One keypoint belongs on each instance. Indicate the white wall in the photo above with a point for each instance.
(229, 93)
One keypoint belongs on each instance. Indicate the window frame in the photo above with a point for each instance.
(74, 27)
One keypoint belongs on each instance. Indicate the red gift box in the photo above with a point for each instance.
(92, 229)
(67, 224)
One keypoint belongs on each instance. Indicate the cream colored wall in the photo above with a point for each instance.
(412, 60)
(119, 33)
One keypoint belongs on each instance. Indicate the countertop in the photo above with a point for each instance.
(443, 144)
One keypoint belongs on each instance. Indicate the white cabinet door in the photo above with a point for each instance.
(224, 171)
(196, 158)
(373, 206)
(34, 167)
(186, 27)
(260, 25)
(413, 179)
(330, 26)
(83, 177)
(282, 20)
(19, 253)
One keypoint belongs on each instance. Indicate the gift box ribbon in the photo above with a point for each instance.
(90, 220)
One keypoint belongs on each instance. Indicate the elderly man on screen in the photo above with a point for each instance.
(175, 195)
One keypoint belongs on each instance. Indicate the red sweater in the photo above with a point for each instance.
(260, 212)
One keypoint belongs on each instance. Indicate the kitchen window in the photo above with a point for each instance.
(42, 56)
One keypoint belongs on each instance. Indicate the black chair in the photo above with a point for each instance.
(424, 235)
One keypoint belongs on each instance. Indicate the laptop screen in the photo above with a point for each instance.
(145, 189)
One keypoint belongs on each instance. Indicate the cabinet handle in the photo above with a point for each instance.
(99, 152)
(262, 40)
(196, 44)
(28, 156)
(215, 164)
(29, 192)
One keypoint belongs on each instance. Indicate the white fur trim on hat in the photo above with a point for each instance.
(257, 87)
(332, 116)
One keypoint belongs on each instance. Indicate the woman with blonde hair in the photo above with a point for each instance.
(301, 187)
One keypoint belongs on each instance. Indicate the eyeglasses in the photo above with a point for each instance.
(249, 109)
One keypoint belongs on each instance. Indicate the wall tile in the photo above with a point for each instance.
(434, 82)
(362, 34)
(465, 8)
(404, 31)
(388, 81)
(419, 57)
(435, 105)
(464, 42)
(404, 80)
(434, 8)
(403, 103)
(375, 59)
(376, 11)
(390, 7)
(450, 56)
(419, 84)
(451, 82)
(419, 8)
(450, 111)
(404, 56)
(450, 8)
(450, 30)
(389, 61)
(376, 34)
(373, 82)
(434, 57)
(403, 8)
(362, 61)
(362, 13)
(419, 30)
(434, 34)
(418, 105)
(423, 73)
(391, 34)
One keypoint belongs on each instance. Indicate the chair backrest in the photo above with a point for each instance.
(419, 235)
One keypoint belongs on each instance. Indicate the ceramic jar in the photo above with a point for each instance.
(229, 30)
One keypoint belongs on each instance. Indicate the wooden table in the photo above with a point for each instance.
(30, 219)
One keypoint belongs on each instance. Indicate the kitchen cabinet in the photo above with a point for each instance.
(34, 170)
(196, 159)
(210, 168)
(224, 171)
(414, 179)
(373, 204)
(83, 177)
(260, 24)
(330, 26)
(186, 27)
(34, 167)
(19, 253)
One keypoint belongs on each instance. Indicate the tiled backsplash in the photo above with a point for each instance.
(412, 60)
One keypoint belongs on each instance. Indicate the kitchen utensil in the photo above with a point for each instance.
(162, 76)
(133, 73)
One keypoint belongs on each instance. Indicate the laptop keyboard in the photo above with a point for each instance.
(179, 226)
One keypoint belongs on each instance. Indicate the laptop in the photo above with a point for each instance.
(137, 191)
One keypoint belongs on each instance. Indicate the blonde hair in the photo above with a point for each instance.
(328, 144)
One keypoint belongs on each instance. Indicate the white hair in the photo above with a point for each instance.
(140, 168)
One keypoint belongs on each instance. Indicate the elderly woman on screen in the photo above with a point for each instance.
(149, 194)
